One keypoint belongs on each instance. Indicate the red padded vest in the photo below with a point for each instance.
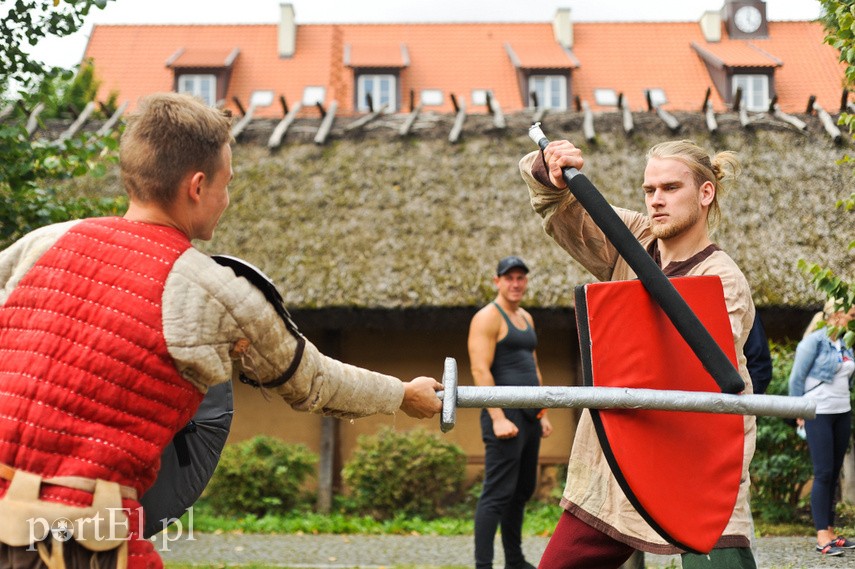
(87, 386)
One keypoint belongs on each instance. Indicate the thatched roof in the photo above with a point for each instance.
(375, 220)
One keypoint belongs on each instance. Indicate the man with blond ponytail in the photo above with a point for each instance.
(682, 185)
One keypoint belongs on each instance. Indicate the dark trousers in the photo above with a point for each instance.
(510, 477)
(828, 440)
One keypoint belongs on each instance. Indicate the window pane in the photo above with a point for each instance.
(202, 86)
(385, 94)
(431, 97)
(755, 91)
(479, 96)
(605, 97)
(551, 91)
(261, 98)
(657, 97)
(313, 95)
(381, 88)
(205, 90)
(554, 93)
(537, 87)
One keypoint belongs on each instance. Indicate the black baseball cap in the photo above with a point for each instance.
(509, 263)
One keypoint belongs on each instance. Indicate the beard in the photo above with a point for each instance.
(676, 225)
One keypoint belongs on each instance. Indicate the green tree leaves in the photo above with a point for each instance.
(30, 168)
(839, 20)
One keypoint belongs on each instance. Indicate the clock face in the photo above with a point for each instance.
(748, 19)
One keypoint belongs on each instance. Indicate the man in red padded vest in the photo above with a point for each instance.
(682, 184)
(113, 329)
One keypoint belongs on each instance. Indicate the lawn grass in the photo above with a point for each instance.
(540, 520)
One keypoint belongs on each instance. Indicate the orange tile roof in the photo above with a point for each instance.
(376, 55)
(461, 58)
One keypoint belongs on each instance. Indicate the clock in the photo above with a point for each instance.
(748, 19)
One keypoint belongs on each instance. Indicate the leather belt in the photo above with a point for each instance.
(74, 482)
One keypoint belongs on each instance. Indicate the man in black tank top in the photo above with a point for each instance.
(502, 344)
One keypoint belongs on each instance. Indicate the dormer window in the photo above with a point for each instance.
(741, 64)
(755, 91)
(204, 73)
(548, 92)
(376, 73)
(543, 70)
(203, 86)
(381, 87)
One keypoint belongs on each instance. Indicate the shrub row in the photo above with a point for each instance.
(391, 474)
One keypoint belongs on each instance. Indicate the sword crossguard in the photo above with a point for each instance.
(449, 395)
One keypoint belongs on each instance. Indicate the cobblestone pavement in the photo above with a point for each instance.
(367, 551)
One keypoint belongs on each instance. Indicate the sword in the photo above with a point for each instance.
(527, 397)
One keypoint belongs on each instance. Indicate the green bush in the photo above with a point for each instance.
(404, 474)
(781, 467)
(259, 476)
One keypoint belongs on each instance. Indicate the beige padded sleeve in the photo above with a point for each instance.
(217, 324)
(19, 258)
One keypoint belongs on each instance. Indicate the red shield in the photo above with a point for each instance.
(680, 470)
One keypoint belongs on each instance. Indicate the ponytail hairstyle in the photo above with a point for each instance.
(720, 169)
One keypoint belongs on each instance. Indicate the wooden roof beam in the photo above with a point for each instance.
(539, 112)
(78, 122)
(670, 120)
(282, 127)
(114, 118)
(825, 119)
(709, 113)
(457, 129)
(326, 123)
(496, 110)
(364, 120)
(241, 125)
(410, 121)
(587, 120)
(744, 120)
(623, 106)
(776, 112)
(33, 119)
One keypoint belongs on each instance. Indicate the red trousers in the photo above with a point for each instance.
(576, 545)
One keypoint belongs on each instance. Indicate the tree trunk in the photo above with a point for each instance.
(329, 463)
